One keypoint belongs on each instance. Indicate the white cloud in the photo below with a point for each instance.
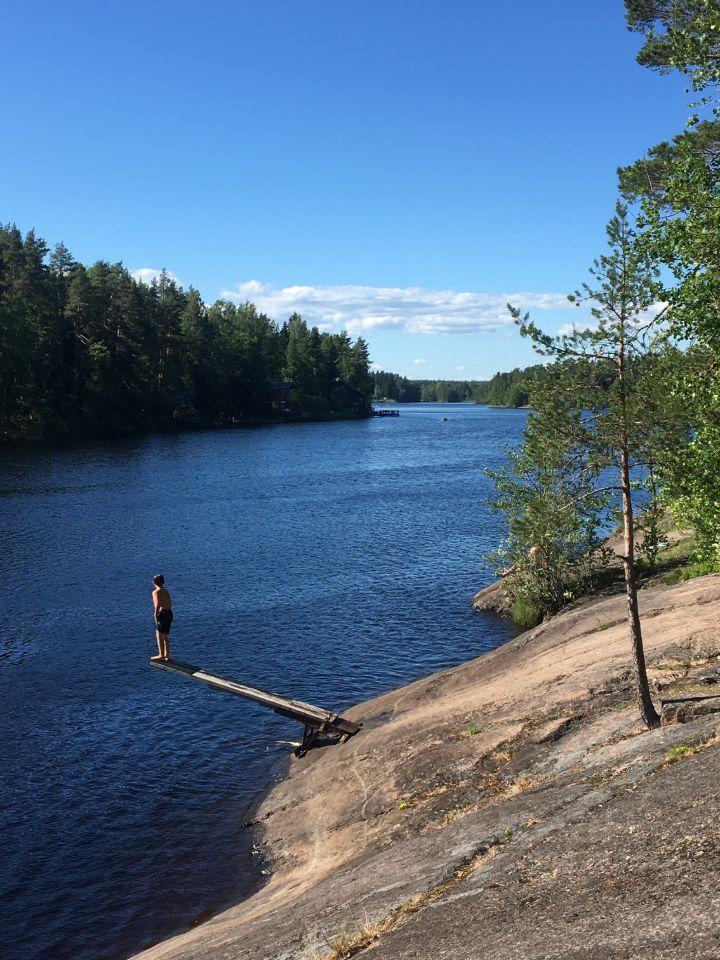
(461, 368)
(568, 329)
(592, 323)
(359, 309)
(419, 362)
(146, 275)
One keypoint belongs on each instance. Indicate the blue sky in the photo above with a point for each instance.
(397, 167)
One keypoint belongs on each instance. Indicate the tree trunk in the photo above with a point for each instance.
(645, 704)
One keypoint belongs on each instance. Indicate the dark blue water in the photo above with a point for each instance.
(328, 561)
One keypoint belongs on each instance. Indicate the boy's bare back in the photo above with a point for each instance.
(161, 599)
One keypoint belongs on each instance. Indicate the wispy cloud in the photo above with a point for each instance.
(568, 329)
(146, 275)
(360, 309)
(419, 362)
(589, 322)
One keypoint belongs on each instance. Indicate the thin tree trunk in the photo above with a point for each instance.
(642, 688)
(645, 704)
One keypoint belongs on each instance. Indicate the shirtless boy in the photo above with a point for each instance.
(163, 617)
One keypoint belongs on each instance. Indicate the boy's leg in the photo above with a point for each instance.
(166, 646)
(158, 637)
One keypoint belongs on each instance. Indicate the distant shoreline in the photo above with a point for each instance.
(456, 403)
(8, 441)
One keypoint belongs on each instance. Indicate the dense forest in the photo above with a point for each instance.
(92, 351)
(510, 389)
(391, 386)
(503, 390)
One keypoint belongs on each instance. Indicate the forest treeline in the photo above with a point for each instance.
(511, 389)
(92, 351)
(391, 386)
(502, 390)
(624, 426)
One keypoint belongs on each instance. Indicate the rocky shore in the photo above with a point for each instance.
(511, 807)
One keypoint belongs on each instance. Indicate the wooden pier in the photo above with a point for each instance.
(319, 725)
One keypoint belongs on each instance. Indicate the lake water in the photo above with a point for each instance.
(329, 561)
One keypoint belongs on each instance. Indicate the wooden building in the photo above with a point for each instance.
(348, 397)
(277, 395)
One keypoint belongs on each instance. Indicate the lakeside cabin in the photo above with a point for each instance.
(277, 395)
(349, 397)
(345, 396)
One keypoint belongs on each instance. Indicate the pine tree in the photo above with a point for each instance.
(299, 360)
(95, 351)
(622, 429)
(678, 184)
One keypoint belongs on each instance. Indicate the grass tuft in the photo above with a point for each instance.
(412, 801)
(472, 730)
(677, 753)
(345, 944)
(525, 614)
(689, 750)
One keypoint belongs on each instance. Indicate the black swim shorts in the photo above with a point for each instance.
(164, 619)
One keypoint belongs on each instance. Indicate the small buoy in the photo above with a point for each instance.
(445, 419)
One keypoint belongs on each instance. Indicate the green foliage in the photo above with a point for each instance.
(524, 612)
(447, 391)
(682, 240)
(649, 525)
(700, 568)
(679, 34)
(681, 217)
(631, 426)
(546, 494)
(91, 351)
(691, 489)
(508, 389)
(607, 403)
(511, 389)
(624, 366)
(650, 175)
(391, 386)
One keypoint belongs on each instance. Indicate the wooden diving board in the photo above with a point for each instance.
(318, 723)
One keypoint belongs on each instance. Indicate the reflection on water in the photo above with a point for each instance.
(328, 561)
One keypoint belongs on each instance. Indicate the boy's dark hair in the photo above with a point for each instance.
(159, 580)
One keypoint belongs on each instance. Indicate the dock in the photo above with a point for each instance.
(386, 413)
(320, 726)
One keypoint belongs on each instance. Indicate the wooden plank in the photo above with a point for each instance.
(306, 713)
(176, 666)
(262, 696)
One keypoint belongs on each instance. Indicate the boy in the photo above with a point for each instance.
(163, 617)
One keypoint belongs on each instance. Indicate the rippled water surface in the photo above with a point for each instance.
(328, 561)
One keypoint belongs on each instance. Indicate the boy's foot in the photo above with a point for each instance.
(158, 657)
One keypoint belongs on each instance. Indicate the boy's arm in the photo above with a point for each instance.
(155, 603)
